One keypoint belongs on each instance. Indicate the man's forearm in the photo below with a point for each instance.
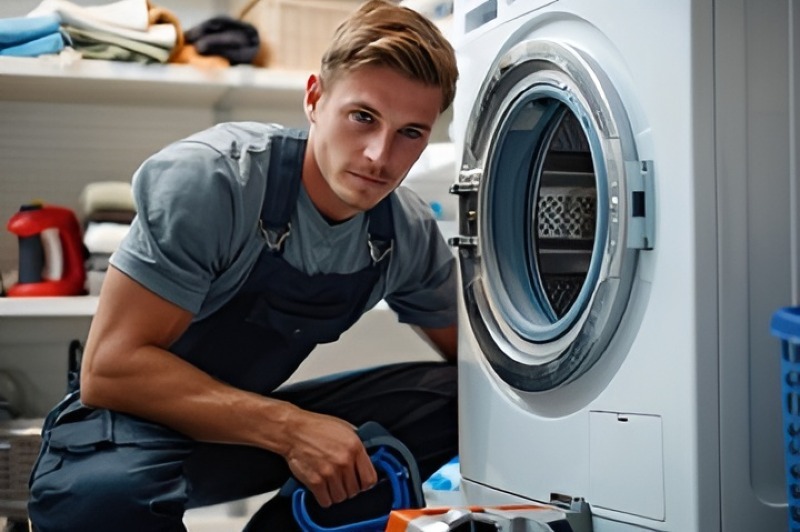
(161, 387)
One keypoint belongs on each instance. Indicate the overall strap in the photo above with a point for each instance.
(381, 230)
(283, 186)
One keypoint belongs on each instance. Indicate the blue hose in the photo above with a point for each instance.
(396, 474)
(395, 465)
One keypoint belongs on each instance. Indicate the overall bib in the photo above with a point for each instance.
(105, 470)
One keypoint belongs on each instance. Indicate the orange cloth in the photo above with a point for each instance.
(400, 519)
(189, 55)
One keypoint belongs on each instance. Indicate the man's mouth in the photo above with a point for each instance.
(369, 178)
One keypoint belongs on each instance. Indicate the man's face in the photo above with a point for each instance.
(368, 128)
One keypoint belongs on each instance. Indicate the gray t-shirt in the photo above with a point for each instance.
(196, 235)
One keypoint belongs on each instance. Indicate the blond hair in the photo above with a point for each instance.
(380, 33)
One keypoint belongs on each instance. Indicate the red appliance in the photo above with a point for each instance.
(51, 252)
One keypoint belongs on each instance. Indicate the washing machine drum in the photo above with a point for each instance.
(554, 208)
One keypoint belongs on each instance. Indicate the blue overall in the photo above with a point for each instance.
(105, 470)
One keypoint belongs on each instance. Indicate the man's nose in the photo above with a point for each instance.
(379, 147)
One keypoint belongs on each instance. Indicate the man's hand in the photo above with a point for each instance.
(327, 456)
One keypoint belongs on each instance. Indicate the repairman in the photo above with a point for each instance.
(253, 243)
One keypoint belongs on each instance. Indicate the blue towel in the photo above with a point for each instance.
(49, 44)
(446, 478)
(21, 30)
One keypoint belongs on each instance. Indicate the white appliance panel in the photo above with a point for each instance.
(689, 359)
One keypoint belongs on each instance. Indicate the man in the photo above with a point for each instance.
(252, 244)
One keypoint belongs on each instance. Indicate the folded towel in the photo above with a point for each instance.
(107, 195)
(104, 238)
(19, 30)
(129, 14)
(49, 44)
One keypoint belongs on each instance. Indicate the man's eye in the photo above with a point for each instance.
(412, 133)
(361, 116)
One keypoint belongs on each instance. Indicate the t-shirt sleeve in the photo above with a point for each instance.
(181, 236)
(422, 279)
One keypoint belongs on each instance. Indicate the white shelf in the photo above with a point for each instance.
(74, 80)
(14, 307)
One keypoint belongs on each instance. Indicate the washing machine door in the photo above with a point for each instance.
(554, 207)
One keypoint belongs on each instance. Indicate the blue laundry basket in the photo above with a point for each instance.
(786, 326)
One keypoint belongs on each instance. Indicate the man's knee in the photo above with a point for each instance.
(104, 490)
(442, 378)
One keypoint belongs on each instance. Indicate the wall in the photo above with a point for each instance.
(59, 131)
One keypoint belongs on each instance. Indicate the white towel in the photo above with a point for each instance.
(104, 237)
(126, 18)
(107, 195)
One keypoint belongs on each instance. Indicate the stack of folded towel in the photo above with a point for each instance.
(107, 209)
(133, 31)
(126, 30)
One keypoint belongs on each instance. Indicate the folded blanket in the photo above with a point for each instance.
(105, 45)
(111, 52)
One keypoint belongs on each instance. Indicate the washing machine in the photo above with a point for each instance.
(628, 190)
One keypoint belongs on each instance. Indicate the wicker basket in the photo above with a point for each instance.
(20, 440)
(297, 32)
(786, 326)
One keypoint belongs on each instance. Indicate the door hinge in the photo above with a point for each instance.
(641, 204)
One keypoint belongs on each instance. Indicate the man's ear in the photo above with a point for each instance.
(313, 94)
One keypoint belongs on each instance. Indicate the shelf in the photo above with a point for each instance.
(75, 306)
(20, 307)
(74, 80)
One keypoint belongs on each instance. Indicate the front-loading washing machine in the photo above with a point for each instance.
(628, 194)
